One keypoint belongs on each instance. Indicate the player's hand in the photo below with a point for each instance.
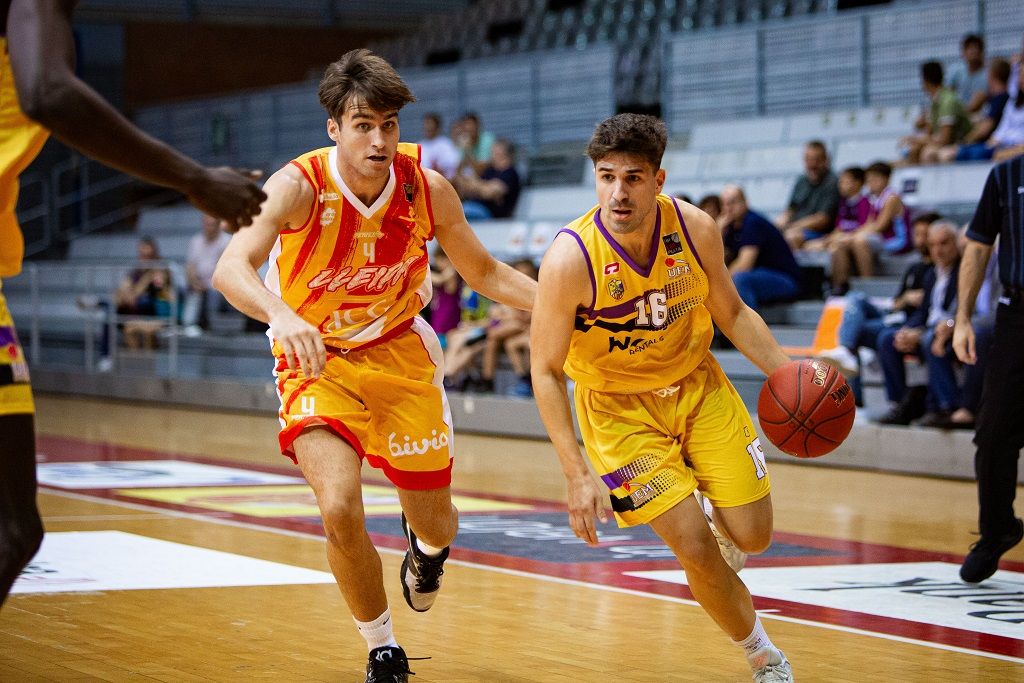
(586, 506)
(229, 194)
(963, 343)
(300, 342)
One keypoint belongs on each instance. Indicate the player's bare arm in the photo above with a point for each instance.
(289, 203)
(563, 288)
(42, 53)
(482, 272)
(741, 324)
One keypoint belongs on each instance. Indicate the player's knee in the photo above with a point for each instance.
(699, 556)
(20, 538)
(344, 522)
(754, 543)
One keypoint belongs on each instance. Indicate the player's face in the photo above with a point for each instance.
(627, 190)
(367, 140)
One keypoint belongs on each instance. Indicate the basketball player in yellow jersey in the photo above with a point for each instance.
(345, 229)
(40, 95)
(625, 305)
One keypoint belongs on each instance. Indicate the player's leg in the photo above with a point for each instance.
(748, 526)
(21, 529)
(430, 523)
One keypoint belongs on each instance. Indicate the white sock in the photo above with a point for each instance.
(758, 647)
(378, 633)
(428, 550)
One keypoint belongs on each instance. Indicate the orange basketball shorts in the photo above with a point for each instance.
(385, 400)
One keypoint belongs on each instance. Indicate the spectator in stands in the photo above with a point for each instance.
(886, 230)
(853, 212)
(967, 77)
(204, 250)
(711, 204)
(763, 269)
(1008, 139)
(511, 335)
(494, 193)
(931, 324)
(474, 144)
(812, 207)
(437, 151)
(947, 122)
(446, 302)
(974, 146)
(147, 292)
(864, 321)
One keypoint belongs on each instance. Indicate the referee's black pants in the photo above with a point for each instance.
(1000, 426)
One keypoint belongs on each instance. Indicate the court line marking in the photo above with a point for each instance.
(767, 614)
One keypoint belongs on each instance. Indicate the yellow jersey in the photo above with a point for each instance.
(20, 142)
(357, 273)
(647, 327)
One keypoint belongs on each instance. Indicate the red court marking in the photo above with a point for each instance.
(59, 449)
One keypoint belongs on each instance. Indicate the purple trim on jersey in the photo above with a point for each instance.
(619, 310)
(686, 234)
(590, 266)
(652, 256)
(613, 480)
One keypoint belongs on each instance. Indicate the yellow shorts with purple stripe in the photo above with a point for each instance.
(652, 450)
(15, 391)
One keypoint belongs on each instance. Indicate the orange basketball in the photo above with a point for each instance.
(806, 408)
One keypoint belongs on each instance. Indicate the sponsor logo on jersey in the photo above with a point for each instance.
(410, 446)
(329, 197)
(367, 278)
(673, 243)
(327, 217)
(630, 344)
(676, 268)
(616, 289)
(611, 268)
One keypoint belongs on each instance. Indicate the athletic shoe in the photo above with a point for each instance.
(421, 574)
(775, 672)
(842, 359)
(983, 559)
(387, 664)
(734, 557)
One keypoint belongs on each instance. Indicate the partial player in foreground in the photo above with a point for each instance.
(625, 305)
(358, 372)
(39, 95)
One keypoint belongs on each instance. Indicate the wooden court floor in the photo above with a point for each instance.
(495, 624)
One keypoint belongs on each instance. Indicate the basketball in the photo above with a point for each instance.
(806, 408)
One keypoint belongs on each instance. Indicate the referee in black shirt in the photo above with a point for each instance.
(1000, 426)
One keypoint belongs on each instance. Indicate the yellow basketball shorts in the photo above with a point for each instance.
(385, 399)
(654, 449)
(15, 391)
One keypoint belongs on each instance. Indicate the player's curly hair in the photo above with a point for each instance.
(365, 77)
(639, 134)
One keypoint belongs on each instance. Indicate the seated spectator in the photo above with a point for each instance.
(974, 146)
(811, 211)
(929, 323)
(685, 197)
(854, 208)
(764, 269)
(967, 77)
(512, 336)
(147, 292)
(494, 193)
(437, 151)
(947, 122)
(204, 250)
(885, 230)
(474, 144)
(446, 302)
(711, 204)
(863, 321)
(1008, 139)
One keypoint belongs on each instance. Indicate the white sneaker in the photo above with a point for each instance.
(734, 557)
(842, 359)
(777, 670)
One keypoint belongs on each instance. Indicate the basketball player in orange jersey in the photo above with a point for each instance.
(39, 95)
(625, 305)
(358, 372)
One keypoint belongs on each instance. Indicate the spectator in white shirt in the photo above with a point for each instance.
(437, 150)
(204, 250)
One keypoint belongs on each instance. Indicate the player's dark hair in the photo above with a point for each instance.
(638, 134)
(932, 74)
(879, 168)
(363, 76)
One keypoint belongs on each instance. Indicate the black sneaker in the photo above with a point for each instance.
(983, 559)
(421, 575)
(388, 664)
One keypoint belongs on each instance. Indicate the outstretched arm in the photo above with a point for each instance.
(564, 286)
(743, 326)
(42, 53)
